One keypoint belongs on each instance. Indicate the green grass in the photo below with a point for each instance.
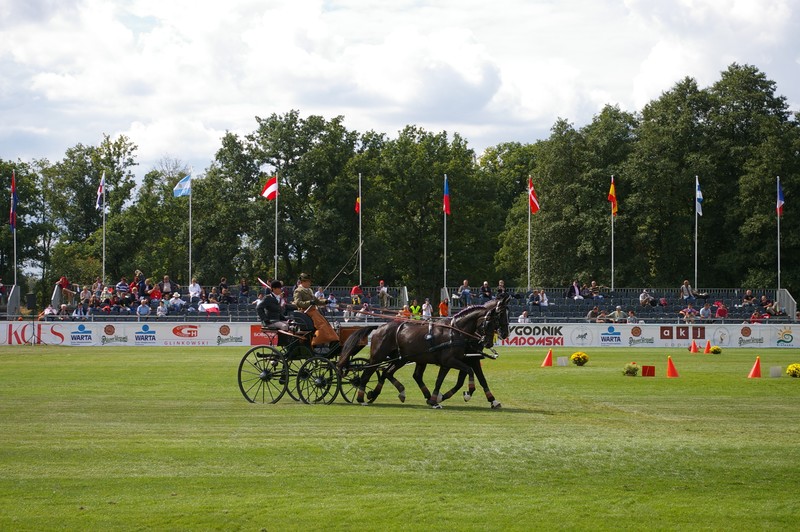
(143, 438)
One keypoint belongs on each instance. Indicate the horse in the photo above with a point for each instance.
(446, 345)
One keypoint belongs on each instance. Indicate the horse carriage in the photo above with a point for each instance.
(266, 373)
(293, 366)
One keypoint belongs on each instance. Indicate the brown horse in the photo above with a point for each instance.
(445, 344)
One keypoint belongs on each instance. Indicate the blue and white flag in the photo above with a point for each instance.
(698, 197)
(184, 187)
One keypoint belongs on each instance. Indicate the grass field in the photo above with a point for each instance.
(147, 438)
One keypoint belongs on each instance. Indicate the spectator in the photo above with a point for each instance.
(486, 292)
(689, 313)
(405, 312)
(94, 305)
(156, 295)
(63, 312)
(97, 286)
(748, 299)
(415, 309)
(722, 312)
(195, 291)
(348, 313)
(543, 301)
(465, 294)
(356, 294)
(122, 286)
(48, 313)
(705, 313)
(595, 290)
(176, 304)
(645, 299)
(444, 308)
(81, 311)
(383, 294)
(214, 294)
(143, 310)
(244, 292)
(320, 294)
(618, 316)
(427, 309)
(632, 317)
(501, 287)
(603, 317)
(585, 292)
(523, 318)
(593, 313)
(755, 317)
(162, 311)
(533, 300)
(332, 305)
(166, 286)
(764, 302)
(67, 291)
(686, 292)
(225, 297)
(86, 293)
(574, 291)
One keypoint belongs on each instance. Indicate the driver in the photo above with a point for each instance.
(304, 300)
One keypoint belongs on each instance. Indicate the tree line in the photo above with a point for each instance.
(736, 135)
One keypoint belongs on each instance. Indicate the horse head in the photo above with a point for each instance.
(495, 320)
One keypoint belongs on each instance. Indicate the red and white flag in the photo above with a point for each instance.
(270, 190)
(533, 201)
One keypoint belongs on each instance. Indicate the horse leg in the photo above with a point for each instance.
(375, 392)
(362, 384)
(418, 372)
(485, 385)
(401, 390)
(462, 376)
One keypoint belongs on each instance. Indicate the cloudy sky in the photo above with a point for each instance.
(174, 75)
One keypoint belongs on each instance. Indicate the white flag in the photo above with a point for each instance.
(698, 197)
(184, 187)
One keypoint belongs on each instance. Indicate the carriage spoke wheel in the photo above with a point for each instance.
(263, 375)
(296, 357)
(351, 376)
(318, 381)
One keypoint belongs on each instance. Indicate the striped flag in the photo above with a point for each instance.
(183, 187)
(698, 197)
(612, 197)
(358, 204)
(446, 199)
(270, 190)
(12, 215)
(533, 201)
(100, 188)
(779, 207)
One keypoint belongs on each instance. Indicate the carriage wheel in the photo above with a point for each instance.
(318, 381)
(297, 357)
(263, 375)
(351, 376)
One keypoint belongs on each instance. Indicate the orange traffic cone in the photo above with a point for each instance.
(707, 350)
(671, 371)
(755, 373)
(693, 347)
(548, 360)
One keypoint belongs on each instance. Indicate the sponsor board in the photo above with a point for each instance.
(582, 335)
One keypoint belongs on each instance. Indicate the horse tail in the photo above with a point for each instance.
(351, 345)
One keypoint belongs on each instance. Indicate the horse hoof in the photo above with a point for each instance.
(467, 397)
(402, 397)
(436, 406)
(496, 405)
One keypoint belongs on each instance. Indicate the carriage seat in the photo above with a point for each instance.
(303, 321)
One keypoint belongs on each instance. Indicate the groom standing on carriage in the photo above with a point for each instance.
(304, 300)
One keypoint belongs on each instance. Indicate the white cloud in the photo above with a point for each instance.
(176, 75)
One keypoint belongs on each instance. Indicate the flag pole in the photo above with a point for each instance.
(529, 236)
(778, 213)
(103, 278)
(612, 236)
(191, 193)
(444, 213)
(696, 212)
(14, 216)
(277, 185)
(360, 249)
